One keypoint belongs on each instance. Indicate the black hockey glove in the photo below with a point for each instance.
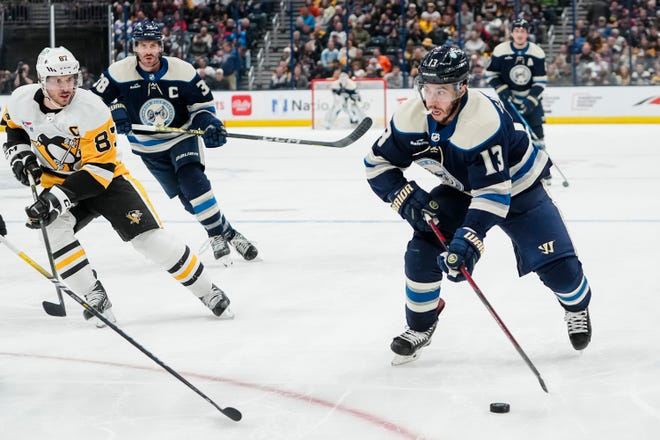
(49, 205)
(410, 202)
(23, 162)
(215, 134)
(121, 118)
(3, 227)
(528, 105)
(465, 249)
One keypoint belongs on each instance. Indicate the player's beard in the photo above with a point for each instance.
(444, 116)
(149, 62)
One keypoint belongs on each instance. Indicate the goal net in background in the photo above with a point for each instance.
(373, 102)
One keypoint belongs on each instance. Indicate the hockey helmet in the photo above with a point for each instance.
(57, 61)
(147, 30)
(444, 65)
(520, 23)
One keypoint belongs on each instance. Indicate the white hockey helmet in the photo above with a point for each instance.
(57, 61)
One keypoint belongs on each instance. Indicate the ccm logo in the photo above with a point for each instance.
(241, 105)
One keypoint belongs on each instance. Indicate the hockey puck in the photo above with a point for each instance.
(565, 184)
(499, 407)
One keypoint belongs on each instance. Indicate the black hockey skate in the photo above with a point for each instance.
(579, 328)
(98, 299)
(218, 302)
(407, 345)
(242, 245)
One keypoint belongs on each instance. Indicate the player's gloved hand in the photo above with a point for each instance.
(410, 202)
(23, 163)
(3, 227)
(465, 249)
(215, 134)
(528, 105)
(505, 95)
(121, 118)
(51, 203)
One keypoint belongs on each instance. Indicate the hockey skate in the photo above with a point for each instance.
(407, 346)
(218, 302)
(221, 249)
(242, 245)
(579, 328)
(98, 299)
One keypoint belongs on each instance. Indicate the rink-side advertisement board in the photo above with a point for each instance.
(563, 105)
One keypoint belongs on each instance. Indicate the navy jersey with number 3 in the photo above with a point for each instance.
(172, 96)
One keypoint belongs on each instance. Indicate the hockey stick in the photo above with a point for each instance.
(535, 138)
(50, 308)
(443, 242)
(356, 134)
(230, 412)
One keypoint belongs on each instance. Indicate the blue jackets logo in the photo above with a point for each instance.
(157, 111)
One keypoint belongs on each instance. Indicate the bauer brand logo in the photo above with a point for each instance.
(241, 105)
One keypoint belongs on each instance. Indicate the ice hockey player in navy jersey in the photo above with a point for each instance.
(489, 176)
(517, 73)
(151, 89)
(63, 137)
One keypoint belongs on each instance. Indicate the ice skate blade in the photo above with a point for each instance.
(226, 261)
(227, 314)
(402, 360)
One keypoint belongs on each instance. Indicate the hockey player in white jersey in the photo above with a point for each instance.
(151, 89)
(345, 98)
(64, 138)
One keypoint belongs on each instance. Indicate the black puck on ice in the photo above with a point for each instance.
(499, 407)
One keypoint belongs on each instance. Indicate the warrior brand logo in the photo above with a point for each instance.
(547, 248)
(401, 196)
(157, 111)
(241, 105)
(134, 216)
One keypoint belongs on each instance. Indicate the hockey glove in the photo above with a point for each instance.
(23, 162)
(528, 105)
(50, 204)
(3, 227)
(410, 202)
(505, 95)
(465, 249)
(121, 118)
(215, 134)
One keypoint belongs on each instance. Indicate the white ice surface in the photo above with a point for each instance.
(307, 356)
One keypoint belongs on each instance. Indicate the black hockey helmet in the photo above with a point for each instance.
(520, 23)
(444, 65)
(147, 30)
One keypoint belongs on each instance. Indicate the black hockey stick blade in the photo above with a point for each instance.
(53, 309)
(232, 413)
(356, 134)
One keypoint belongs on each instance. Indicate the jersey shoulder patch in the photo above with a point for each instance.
(535, 51)
(124, 70)
(179, 70)
(90, 110)
(477, 122)
(407, 117)
(502, 49)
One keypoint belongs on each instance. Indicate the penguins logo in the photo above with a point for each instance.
(134, 216)
(63, 152)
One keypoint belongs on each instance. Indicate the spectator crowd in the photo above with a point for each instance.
(613, 45)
